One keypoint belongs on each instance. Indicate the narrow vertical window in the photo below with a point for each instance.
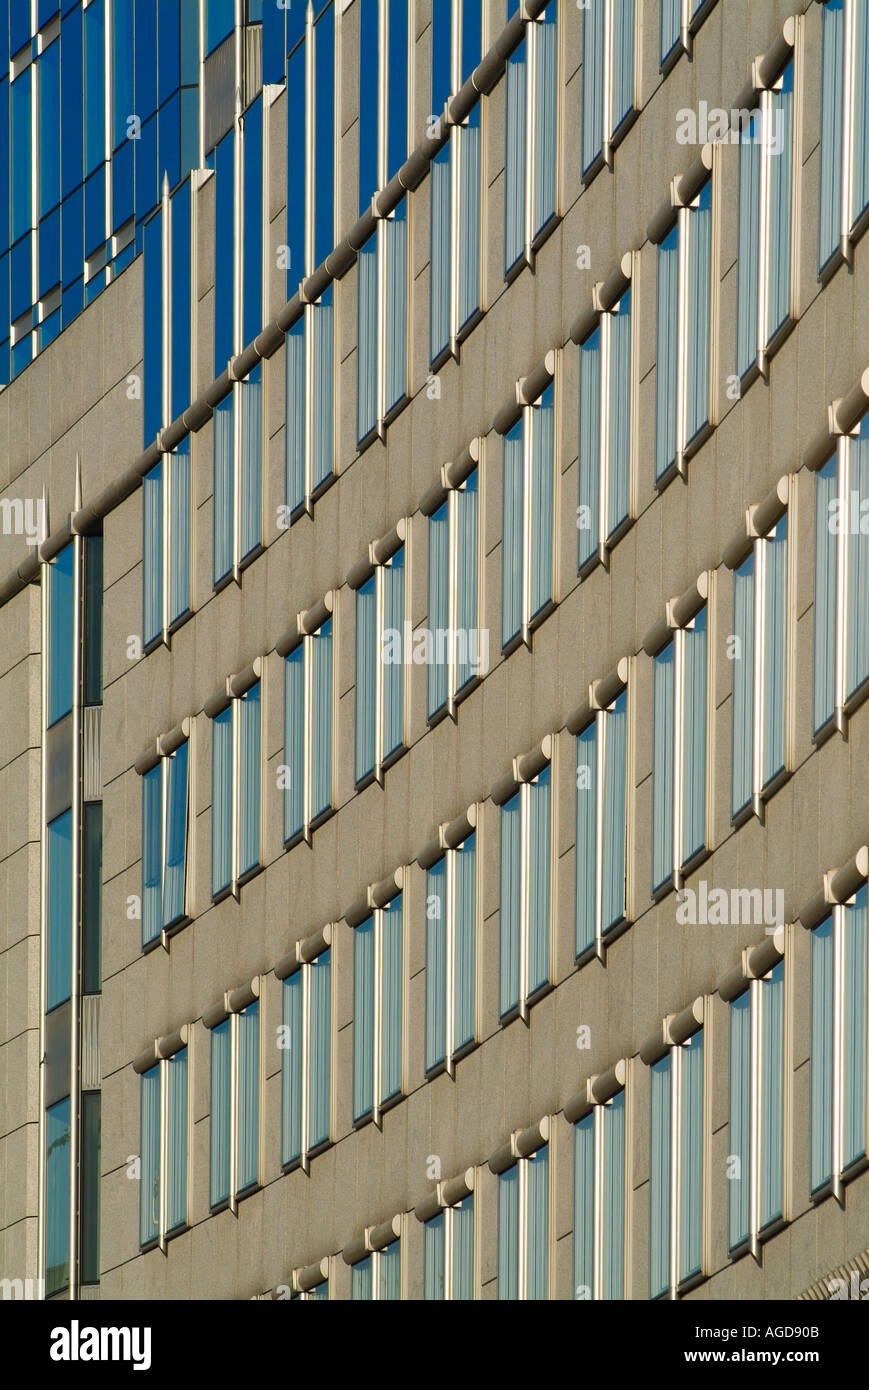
(380, 660)
(523, 1228)
(164, 1149)
(377, 1011)
(165, 801)
(448, 1252)
(378, 1276)
(458, 648)
(236, 790)
(756, 1143)
(841, 654)
(677, 1143)
(532, 126)
(605, 433)
(526, 872)
(608, 39)
(600, 1201)
(306, 1060)
(308, 732)
(601, 820)
(451, 935)
(527, 562)
(235, 1105)
(680, 752)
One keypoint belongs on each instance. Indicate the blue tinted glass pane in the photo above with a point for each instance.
(20, 149)
(368, 59)
(147, 186)
(324, 135)
(21, 282)
(4, 363)
(123, 258)
(441, 45)
(72, 237)
(71, 103)
(48, 330)
(123, 174)
(49, 129)
(153, 401)
(397, 79)
(57, 1198)
(94, 85)
(295, 17)
(60, 624)
(253, 222)
(273, 43)
(59, 944)
(49, 253)
(19, 25)
(189, 130)
(181, 299)
(4, 301)
(169, 119)
(471, 38)
(94, 212)
(219, 22)
(146, 60)
(46, 10)
(123, 71)
(4, 161)
(94, 287)
(20, 356)
(169, 49)
(190, 45)
(73, 298)
(295, 169)
(4, 33)
(223, 293)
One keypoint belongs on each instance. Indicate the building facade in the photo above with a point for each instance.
(434, 596)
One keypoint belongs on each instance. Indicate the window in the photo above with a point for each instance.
(377, 1011)
(457, 188)
(308, 733)
(165, 800)
(526, 874)
(684, 351)
(237, 529)
(679, 19)
(523, 1228)
(458, 649)
(841, 661)
(380, 658)
(379, 1275)
(755, 1163)
(311, 105)
(600, 1201)
(449, 1253)
(168, 308)
(766, 220)
(89, 1194)
(450, 956)
(605, 433)
(57, 1173)
(528, 549)
(676, 1173)
(601, 825)
(165, 1146)
(306, 1043)
(838, 1046)
(235, 791)
(59, 912)
(532, 133)
(760, 666)
(608, 82)
(382, 264)
(235, 1106)
(844, 130)
(166, 545)
(316, 1293)
(680, 753)
(62, 583)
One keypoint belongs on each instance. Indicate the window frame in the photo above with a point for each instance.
(235, 1194)
(177, 461)
(598, 720)
(611, 134)
(528, 420)
(522, 790)
(608, 537)
(534, 235)
(380, 1103)
(673, 1054)
(446, 1212)
(692, 14)
(238, 877)
(596, 1112)
(311, 820)
(165, 1233)
(456, 693)
(163, 762)
(520, 1163)
(850, 227)
(383, 761)
(303, 968)
(452, 1053)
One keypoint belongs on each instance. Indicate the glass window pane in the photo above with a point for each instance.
(58, 981)
(510, 910)
(662, 766)
(61, 618)
(694, 739)
(821, 1166)
(57, 1197)
(739, 1150)
(176, 1140)
(149, 1190)
(436, 911)
(248, 1097)
(827, 521)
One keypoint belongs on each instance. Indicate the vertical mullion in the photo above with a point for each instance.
(164, 820)
(604, 417)
(759, 619)
(597, 1214)
(606, 142)
(522, 1230)
(378, 672)
(233, 1111)
(843, 481)
(684, 223)
(600, 765)
(307, 732)
(530, 88)
(449, 961)
(452, 595)
(309, 195)
(74, 1078)
(448, 1253)
(838, 1044)
(306, 1043)
(849, 20)
(528, 503)
(524, 858)
(43, 914)
(675, 1164)
(763, 238)
(755, 1044)
(233, 797)
(162, 1154)
(678, 750)
(377, 1025)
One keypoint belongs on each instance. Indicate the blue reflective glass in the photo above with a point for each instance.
(146, 60)
(295, 17)
(368, 68)
(49, 253)
(46, 10)
(324, 135)
(73, 297)
(190, 45)
(124, 258)
(19, 25)
(72, 237)
(220, 21)
(396, 137)
(94, 212)
(441, 46)
(153, 392)
(123, 70)
(169, 48)
(61, 594)
(94, 287)
(57, 1197)
(169, 123)
(71, 114)
(273, 43)
(223, 243)
(20, 356)
(20, 151)
(49, 129)
(20, 271)
(48, 330)
(472, 37)
(4, 302)
(295, 170)
(252, 307)
(147, 185)
(94, 85)
(4, 363)
(181, 302)
(123, 185)
(189, 130)
(4, 166)
(4, 34)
